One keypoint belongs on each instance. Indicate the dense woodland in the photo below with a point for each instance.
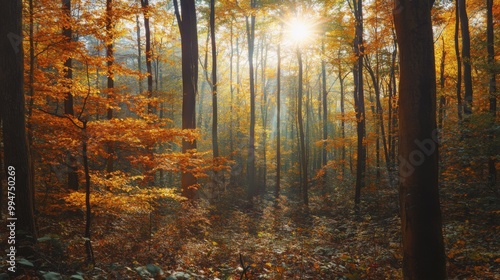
(259, 139)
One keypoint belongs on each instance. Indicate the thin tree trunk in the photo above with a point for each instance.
(68, 98)
(264, 113)
(342, 115)
(442, 96)
(466, 59)
(278, 120)
(303, 154)
(88, 210)
(149, 59)
(215, 145)
(359, 103)
(111, 84)
(67, 32)
(380, 119)
(325, 107)
(231, 90)
(250, 26)
(139, 52)
(459, 63)
(393, 105)
(492, 90)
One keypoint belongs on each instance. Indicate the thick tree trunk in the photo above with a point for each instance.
(12, 108)
(423, 246)
(189, 41)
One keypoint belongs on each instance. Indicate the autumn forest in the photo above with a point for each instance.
(250, 139)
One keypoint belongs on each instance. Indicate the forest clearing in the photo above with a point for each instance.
(255, 139)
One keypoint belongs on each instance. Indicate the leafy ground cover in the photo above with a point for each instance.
(229, 240)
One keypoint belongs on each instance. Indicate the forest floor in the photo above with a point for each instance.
(226, 240)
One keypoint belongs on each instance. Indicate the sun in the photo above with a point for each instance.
(299, 30)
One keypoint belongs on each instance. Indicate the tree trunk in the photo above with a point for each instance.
(12, 107)
(359, 102)
(149, 59)
(325, 107)
(466, 59)
(492, 92)
(189, 41)
(68, 68)
(342, 116)
(215, 145)
(442, 96)
(139, 52)
(88, 210)
(68, 99)
(278, 120)
(423, 247)
(250, 26)
(111, 83)
(393, 105)
(459, 63)
(231, 90)
(380, 119)
(303, 154)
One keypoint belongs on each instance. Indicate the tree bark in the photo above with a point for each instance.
(459, 63)
(325, 107)
(67, 32)
(423, 247)
(88, 209)
(492, 90)
(110, 73)
(359, 102)
(139, 52)
(380, 118)
(186, 19)
(442, 96)
(215, 145)
(303, 154)
(149, 52)
(12, 107)
(466, 59)
(278, 120)
(250, 27)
